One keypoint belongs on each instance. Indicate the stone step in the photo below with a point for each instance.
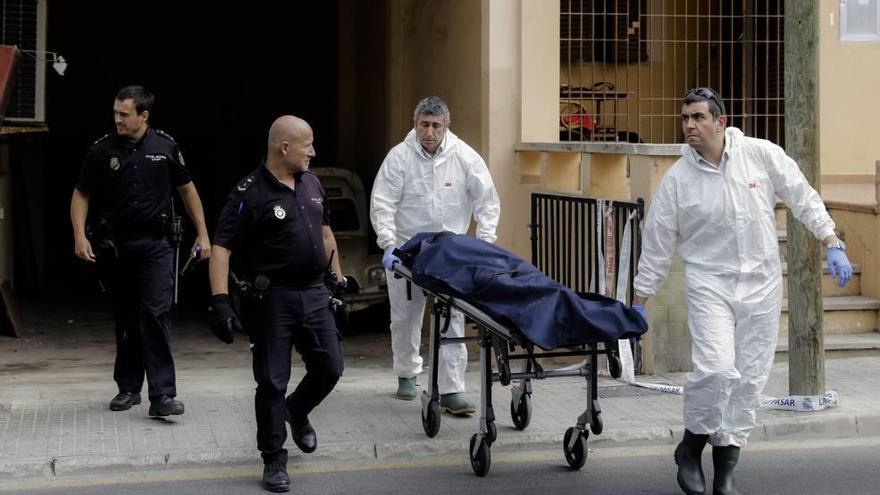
(829, 285)
(855, 344)
(842, 315)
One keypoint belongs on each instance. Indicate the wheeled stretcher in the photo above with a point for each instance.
(502, 344)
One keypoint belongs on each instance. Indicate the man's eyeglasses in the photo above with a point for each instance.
(710, 95)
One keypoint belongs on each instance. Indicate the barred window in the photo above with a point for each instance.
(625, 65)
(603, 31)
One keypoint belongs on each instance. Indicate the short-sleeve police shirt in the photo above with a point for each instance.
(275, 230)
(131, 181)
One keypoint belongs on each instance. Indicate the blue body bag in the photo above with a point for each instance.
(516, 294)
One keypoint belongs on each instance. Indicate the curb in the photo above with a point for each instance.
(834, 425)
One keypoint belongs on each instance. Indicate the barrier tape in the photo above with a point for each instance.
(627, 364)
(610, 257)
(801, 403)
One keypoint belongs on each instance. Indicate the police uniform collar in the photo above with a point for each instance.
(147, 134)
(297, 176)
(130, 143)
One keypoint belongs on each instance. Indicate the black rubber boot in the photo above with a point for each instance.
(724, 459)
(690, 468)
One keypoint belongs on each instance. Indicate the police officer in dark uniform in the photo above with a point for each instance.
(276, 222)
(128, 175)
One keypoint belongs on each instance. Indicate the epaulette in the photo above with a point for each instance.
(165, 135)
(102, 138)
(245, 183)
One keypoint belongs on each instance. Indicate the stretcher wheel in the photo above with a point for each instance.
(596, 425)
(521, 414)
(492, 432)
(614, 366)
(576, 455)
(481, 460)
(431, 418)
(504, 372)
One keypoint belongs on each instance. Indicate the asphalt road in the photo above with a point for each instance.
(821, 467)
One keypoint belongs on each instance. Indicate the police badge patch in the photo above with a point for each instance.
(180, 158)
(114, 164)
(279, 212)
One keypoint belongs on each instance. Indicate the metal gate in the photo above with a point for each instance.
(566, 236)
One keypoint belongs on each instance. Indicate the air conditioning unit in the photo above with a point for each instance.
(23, 24)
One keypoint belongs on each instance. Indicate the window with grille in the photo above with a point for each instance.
(626, 85)
(22, 23)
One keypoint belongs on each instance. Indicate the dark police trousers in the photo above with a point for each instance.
(142, 283)
(281, 320)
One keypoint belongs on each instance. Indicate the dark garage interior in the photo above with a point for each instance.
(221, 76)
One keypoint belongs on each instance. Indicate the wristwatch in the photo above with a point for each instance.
(836, 244)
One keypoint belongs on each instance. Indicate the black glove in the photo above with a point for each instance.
(223, 318)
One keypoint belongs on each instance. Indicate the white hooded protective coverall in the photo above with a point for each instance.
(722, 222)
(415, 192)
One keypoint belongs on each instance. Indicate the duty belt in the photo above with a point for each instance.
(254, 287)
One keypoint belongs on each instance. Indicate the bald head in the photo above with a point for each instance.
(287, 128)
(290, 144)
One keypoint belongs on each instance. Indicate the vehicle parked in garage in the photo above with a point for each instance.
(350, 221)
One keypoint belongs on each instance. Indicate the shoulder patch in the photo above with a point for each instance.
(245, 184)
(102, 138)
(165, 135)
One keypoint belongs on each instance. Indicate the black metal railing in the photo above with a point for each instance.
(565, 240)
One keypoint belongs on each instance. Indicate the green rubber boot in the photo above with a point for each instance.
(406, 388)
(456, 404)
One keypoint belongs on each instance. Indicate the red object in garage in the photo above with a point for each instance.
(8, 60)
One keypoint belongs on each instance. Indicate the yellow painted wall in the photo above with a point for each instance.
(849, 75)
(540, 74)
(435, 50)
(503, 26)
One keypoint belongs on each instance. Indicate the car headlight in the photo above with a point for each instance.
(376, 275)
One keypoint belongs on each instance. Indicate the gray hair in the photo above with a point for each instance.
(432, 105)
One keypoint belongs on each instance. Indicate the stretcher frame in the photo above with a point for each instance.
(493, 337)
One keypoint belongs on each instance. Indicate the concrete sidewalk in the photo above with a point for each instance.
(56, 384)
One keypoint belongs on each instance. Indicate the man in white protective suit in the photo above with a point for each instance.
(715, 206)
(432, 181)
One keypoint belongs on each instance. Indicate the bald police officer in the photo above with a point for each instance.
(276, 221)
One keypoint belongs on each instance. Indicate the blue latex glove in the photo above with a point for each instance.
(839, 266)
(641, 311)
(388, 259)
